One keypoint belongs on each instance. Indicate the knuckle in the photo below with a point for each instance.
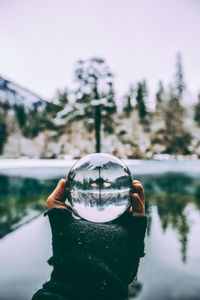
(139, 187)
(49, 199)
(135, 196)
(136, 181)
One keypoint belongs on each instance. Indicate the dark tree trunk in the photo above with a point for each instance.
(98, 128)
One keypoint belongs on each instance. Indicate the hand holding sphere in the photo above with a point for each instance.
(99, 188)
(106, 201)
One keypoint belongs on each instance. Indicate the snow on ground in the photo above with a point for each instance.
(34, 163)
(57, 168)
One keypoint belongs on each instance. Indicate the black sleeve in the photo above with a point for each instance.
(93, 260)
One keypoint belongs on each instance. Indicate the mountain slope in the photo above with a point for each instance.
(15, 94)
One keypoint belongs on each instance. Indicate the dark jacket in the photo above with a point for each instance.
(93, 260)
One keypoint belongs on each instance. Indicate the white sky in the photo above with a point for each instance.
(40, 40)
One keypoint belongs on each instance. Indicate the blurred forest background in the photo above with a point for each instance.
(92, 118)
(105, 59)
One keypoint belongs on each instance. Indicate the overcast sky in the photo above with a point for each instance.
(40, 40)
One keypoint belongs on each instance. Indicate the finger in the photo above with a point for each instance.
(139, 189)
(137, 207)
(56, 204)
(59, 194)
(136, 181)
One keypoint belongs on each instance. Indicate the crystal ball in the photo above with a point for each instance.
(99, 188)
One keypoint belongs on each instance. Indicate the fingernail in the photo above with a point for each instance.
(61, 182)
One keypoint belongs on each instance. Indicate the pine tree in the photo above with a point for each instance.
(179, 78)
(128, 98)
(176, 138)
(33, 123)
(3, 132)
(141, 95)
(48, 115)
(197, 111)
(3, 125)
(160, 95)
(20, 115)
(95, 96)
(63, 98)
(108, 110)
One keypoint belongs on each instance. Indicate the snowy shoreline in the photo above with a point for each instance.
(47, 163)
(9, 163)
(35, 163)
(59, 168)
(42, 168)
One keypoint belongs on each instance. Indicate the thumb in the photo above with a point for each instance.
(137, 207)
(59, 194)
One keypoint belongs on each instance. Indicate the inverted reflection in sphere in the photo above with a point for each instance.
(99, 187)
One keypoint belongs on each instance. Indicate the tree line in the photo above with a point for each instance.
(94, 102)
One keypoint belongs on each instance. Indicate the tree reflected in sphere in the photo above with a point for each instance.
(99, 187)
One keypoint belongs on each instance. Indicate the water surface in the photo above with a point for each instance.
(171, 267)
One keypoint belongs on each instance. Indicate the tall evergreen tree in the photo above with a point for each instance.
(95, 95)
(63, 98)
(176, 138)
(49, 113)
(33, 123)
(197, 111)
(20, 115)
(109, 109)
(160, 98)
(3, 132)
(3, 124)
(128, 99)
(179, 78)
(141, 95)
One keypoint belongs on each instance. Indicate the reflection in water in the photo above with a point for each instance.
(21, 199)
(170, 193)
(99, 187)
(168, 196)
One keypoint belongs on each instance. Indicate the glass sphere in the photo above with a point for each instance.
(99, 187)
